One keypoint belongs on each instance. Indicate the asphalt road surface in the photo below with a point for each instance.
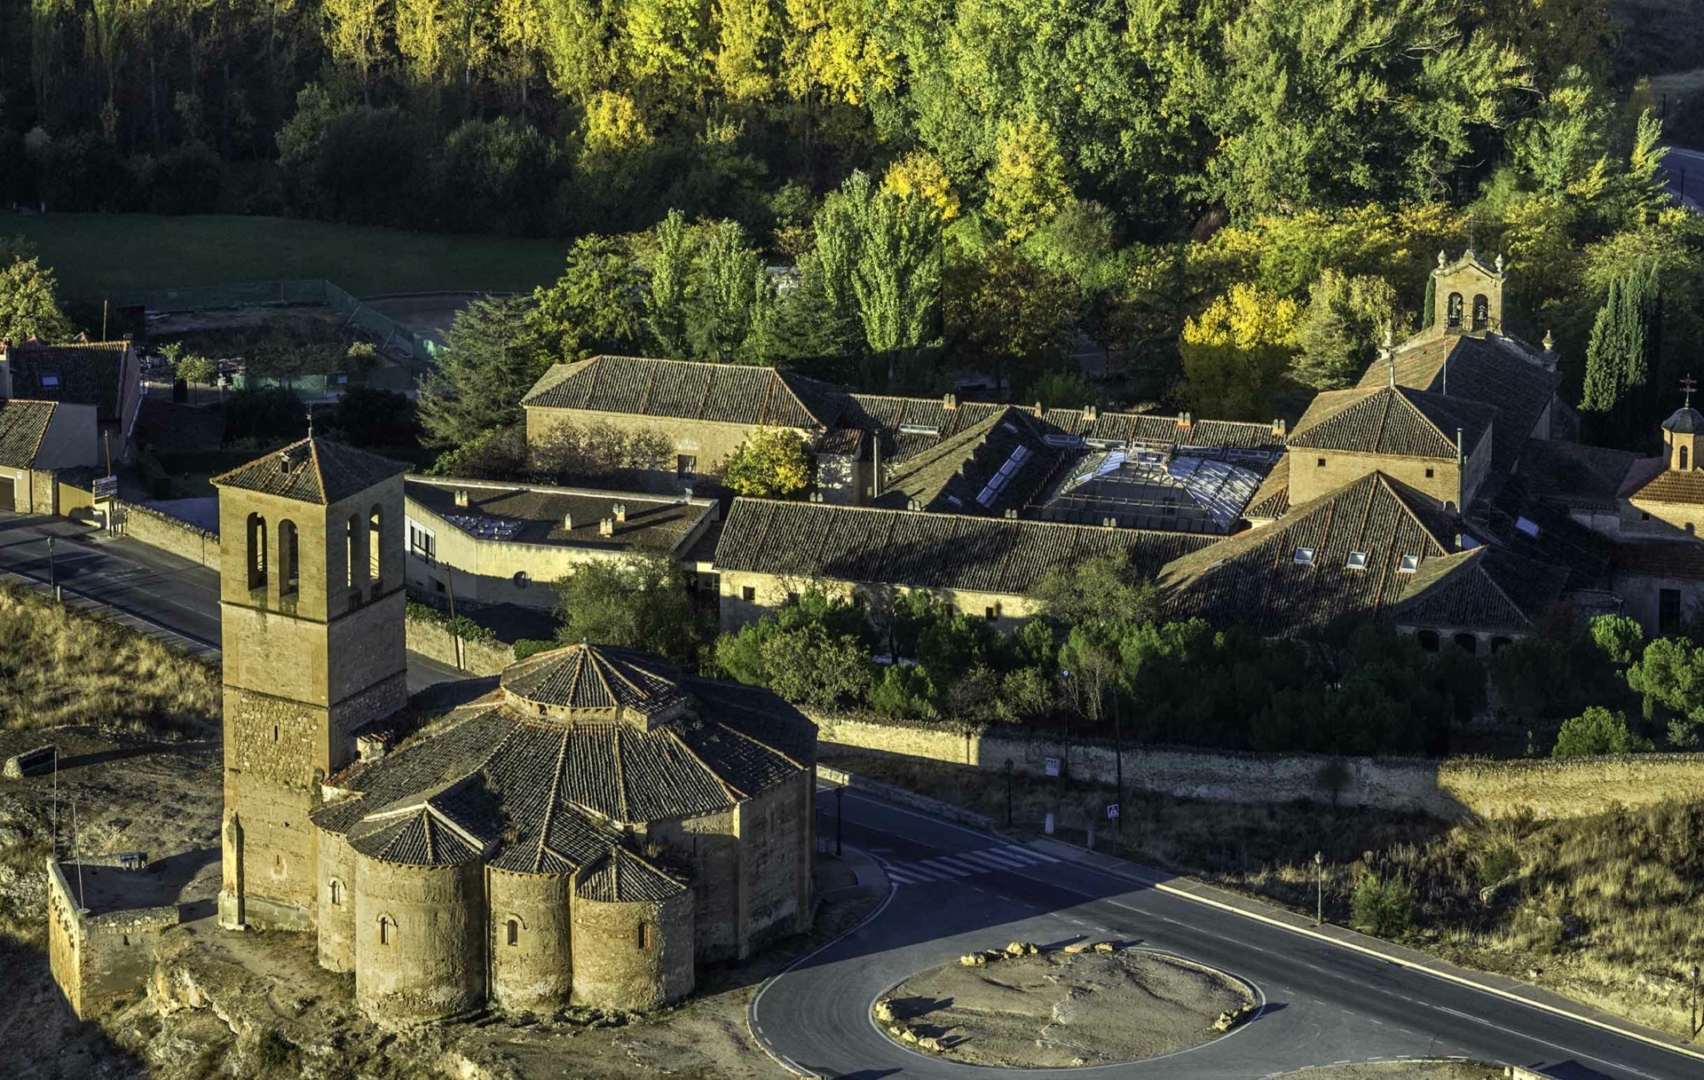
(172, 597)
(1685, 172)
(1323, 1004)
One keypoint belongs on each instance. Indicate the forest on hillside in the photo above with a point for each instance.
(1235, 199)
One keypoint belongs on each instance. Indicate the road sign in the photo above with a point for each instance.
(1112, 811)
(1053, 766)
(106, 487)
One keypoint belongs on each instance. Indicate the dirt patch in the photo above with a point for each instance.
(1400, 1070)
(1054, 1009)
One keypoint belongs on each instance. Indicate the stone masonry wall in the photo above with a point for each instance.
(536, 971)
(709, 844)
(149, 526)
(269, 743)
(613, 970)
(1451, 789)
(101, 959)
(335, 865)
(774, 827)
(432, 961)
(478, 658)
(64, 939)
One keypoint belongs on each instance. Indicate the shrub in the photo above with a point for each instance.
(84, 172)
(904, 692)
(1597, 731)
(184, 180)
(810, 666)
(532, 646)
(1384, 908)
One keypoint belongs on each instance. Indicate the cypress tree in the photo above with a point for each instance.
(1603, 355)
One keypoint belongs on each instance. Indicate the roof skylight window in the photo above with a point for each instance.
(991, 491)
(1410, 564)
(1527, 526)
(1357, 560)
(50, 380)
(1304, 556)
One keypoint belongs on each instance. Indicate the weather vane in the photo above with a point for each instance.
(1688, 384)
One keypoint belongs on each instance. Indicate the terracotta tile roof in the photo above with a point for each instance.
(729, 393)
(1272, 500)
(1490, 371)
(945, 551)
(1295, 575)
(1549, 534)
(1574, 474)
(623, 877)
(80, 373)
(313, 470)
(23, 425)
(847, 442)
(1679, 559)
(1670, 487)
(537, 514)
(1402, 421)
(1485, 589)
(596, 678)
(553, 795)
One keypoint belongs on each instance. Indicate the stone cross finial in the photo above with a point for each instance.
(1499, 264)
(1441, 258)
(1688, 385)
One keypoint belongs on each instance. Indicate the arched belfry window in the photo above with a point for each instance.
(352, 537)
(387, 930)
(1481, 312)
(375, 531)
(256, 552)
(336, 893)
(1683, 459)
(289, 560)
(1452, 313)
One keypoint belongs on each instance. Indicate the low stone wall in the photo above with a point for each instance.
(98, 960)
(432, 641)
(149, 526)
(1456, 788)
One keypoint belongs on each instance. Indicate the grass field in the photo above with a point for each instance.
(95, 255)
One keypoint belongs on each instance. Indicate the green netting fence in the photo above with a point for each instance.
(314, 291)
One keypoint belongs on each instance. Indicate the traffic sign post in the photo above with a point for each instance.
(1112, 811)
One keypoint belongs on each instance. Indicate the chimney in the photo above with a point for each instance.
(1038, 408)
(949, 402)
(461, 496)
(1461, 448)
(1279, 427)
(1011, 514)
(567, 522)
(606, 526)
(1185, 421)
(1090, 414)
(621, 513)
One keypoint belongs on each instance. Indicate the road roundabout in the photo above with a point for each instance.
(955, 891)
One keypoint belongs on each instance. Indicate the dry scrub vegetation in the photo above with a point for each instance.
(59, 666)
(1602, 908)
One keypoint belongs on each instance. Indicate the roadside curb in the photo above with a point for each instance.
(753, 1030)
(1344, 938)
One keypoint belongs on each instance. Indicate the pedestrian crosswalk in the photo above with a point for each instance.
(965, 864)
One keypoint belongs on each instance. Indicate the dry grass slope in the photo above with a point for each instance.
(61, 667)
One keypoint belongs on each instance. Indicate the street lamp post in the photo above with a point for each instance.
(52, 573)
(1694, 1000)
(839, 818)
(1008, 793)
(1118, 755)
(1319, 867)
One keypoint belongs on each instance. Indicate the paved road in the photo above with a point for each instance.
(1685, 172)
(174, 598)
(967, 890)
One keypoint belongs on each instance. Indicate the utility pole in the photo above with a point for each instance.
(1694, 1027)
(52, 575)
(1118, 752)
(839, 818)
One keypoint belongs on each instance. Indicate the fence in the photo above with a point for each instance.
(316, 291)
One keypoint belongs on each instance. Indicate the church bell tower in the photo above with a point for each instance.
(311, 606)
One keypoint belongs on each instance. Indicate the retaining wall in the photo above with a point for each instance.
(432, 641)
(1455, 788)
(167, 533)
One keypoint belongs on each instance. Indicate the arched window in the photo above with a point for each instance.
(1683, 459)
(387, 930)
(1452, 313)
(1467, 643)
(644, 935)
(336, 893)
(1481, 312)
(353, 534)
(1428, 640)
(375, 530)
(289, 561)
(256, 552)
(512, 932)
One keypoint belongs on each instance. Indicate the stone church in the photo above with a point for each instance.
(586, 832)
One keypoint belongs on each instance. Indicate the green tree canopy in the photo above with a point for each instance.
(640, 602)
(27, 305)
(1597, 731)
(772, 463)
(490, 359)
